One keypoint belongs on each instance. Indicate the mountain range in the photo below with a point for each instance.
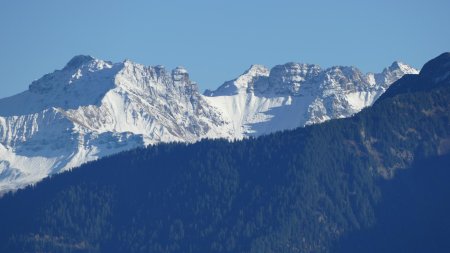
(373, 182)
(93, 108)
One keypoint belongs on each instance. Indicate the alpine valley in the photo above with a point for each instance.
(93, 108)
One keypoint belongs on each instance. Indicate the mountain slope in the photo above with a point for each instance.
(293, 191)
(413, 214)
(93, 108)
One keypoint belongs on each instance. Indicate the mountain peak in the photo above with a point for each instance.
(78, 61)
(257, 69)
(393, 73)
(287, 78)
(250, 75)
(398, 65)
(180, 70)
(293, 68)
(434, 73)
(180, 74)
(243, 83)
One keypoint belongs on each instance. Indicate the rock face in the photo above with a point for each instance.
(93, 108)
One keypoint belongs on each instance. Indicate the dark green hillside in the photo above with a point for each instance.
(294, 191)
(413, 216)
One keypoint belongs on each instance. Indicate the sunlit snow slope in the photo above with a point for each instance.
(93, 108)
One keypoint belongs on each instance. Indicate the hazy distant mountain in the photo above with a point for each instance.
(93, 108)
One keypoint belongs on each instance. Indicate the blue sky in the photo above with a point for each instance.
(217, 40)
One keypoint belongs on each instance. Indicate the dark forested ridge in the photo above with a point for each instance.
(413, 216)
(306, 190)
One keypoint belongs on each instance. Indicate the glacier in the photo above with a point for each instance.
(93, 108)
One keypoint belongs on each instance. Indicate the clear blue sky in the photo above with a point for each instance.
(217, 40)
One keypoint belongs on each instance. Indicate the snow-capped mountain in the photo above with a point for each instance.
(291, 95)
(93, 108)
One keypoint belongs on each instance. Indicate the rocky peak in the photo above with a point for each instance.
(78, 61)
(242, 84)
(180, 77)
(344, 77)
(60, 77)
(246, 81)
(256, 70)
(180, 74)
(294, 70)
(396, 65)
(160, 70)
(288, 78)
(393, 73)
(434, 73)
(400, 67)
